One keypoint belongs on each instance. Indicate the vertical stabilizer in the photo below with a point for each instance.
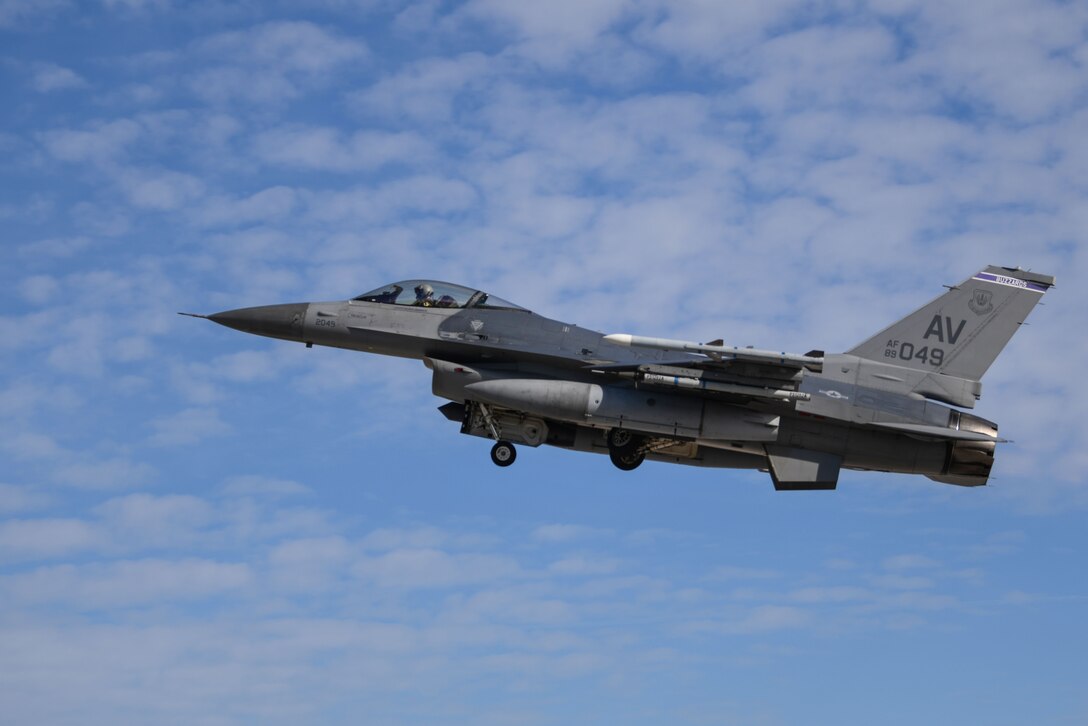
(961, 332)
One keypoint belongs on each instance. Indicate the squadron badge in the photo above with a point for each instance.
(980, 302)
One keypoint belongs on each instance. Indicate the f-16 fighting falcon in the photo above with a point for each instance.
(892, 403)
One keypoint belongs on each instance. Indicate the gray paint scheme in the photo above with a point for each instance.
(892, 403)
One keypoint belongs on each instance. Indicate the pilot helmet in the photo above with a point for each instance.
(423, 290)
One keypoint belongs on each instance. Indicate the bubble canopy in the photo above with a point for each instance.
(434, 294)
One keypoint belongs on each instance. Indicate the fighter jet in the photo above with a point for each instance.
(892, 403)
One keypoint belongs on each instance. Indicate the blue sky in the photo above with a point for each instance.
(198, 526)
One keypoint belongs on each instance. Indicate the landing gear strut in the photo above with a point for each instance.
(503, 453)
(625, 449)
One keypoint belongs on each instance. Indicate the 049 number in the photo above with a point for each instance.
(908, 351)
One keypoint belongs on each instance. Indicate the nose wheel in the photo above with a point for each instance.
(503, 453)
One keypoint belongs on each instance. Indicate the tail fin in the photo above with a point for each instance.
(961, 332)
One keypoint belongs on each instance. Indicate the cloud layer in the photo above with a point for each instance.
(196, 526)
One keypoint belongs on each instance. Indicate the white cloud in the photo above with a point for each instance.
(136, 5)
(127, 582)
(832, 594)
(708, 30)
(271, 62)
(14, 13)
(771, 617)
(266, 365)
(25, 397)
(118, 473)
(297, 46)
(148, 520)
(525, 604)
(32, 445)
(1014, 57)
(582, 565)
(423, 195)
(564, 532)
(159, 189)
(431, 568)
(132, 348)
(760, 619)
(779, 174)
(222, 85)
(732, 572)
(331, 150)
(100, 142)
(903, 582)
(188, 427)
(310, 552)
(47, 77)
(414, 538)
(39, 289)
(92, 219)
(15, 498)
(550, 34)
(35, 539)
(425, 92)
(908, 562)
(262, 486)
(310, 564)
(266, 205)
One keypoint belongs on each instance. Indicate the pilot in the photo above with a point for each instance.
(424, 295)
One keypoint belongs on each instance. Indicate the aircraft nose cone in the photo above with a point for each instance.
(275, 321)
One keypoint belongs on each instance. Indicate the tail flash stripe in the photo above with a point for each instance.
(1010, 281)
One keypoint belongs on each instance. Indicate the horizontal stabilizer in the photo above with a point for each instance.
(960, 481)
(938, 432)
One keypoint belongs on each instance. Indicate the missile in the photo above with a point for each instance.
(754, 391)
(718, 352)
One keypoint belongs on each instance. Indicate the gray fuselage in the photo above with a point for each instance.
(838, 421)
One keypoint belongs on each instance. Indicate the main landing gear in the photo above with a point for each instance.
(625, 449)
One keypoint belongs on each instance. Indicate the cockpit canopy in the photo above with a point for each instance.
(434, 294)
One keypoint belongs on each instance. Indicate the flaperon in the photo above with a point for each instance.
(892, 403)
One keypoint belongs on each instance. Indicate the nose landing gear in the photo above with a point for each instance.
(503, 453)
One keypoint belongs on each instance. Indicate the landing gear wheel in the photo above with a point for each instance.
(503, 453)
(626, 462)
(621, 440)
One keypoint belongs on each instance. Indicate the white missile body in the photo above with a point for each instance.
(718, 352)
